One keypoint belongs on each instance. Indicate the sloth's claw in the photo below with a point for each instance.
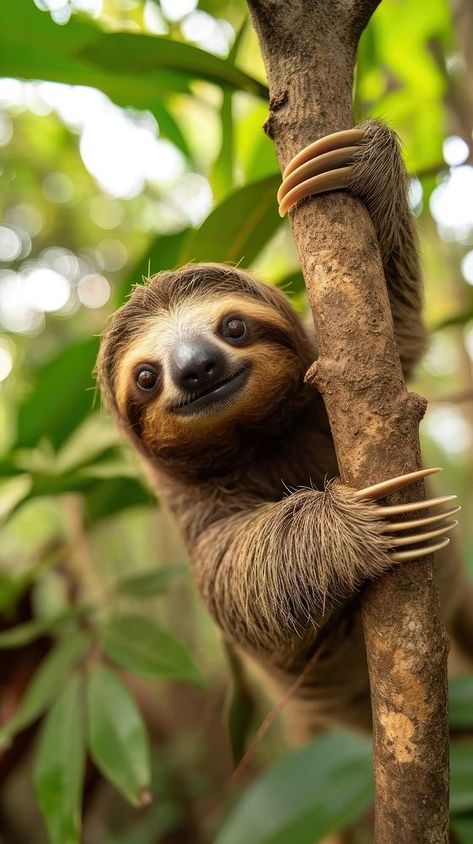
(372, 493)
(414, 554)
(322, 166)
(325, 181)
(394, 527)
(413, 506)
(335, 141)
(420, 537)
(392, 485)
(301, 180)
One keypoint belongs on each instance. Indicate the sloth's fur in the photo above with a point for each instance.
(279, 547)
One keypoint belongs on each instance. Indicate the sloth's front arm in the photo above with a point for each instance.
(269, 574)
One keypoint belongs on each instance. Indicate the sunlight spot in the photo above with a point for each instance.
(112, 254)
(46, 290)
(58, 187)
(442, 356)
(6, 363)
(210, 34)
(451, 204)
(94, 291)
(153, 19)
(455, 151)
(193, 196)
(25, 217)
(449, 429)
(15, 314)
(467, 267)
(174, 10)
(416, 193)
(10, 244)
(106, 213)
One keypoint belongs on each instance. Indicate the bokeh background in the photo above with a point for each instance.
(131, 141)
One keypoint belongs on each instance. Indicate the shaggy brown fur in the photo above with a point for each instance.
(279, 554)
(380, 180)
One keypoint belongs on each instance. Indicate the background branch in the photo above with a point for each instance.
(309, 50)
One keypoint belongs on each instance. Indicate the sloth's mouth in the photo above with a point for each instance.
(205, 398)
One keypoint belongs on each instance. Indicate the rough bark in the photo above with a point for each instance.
(309, 48)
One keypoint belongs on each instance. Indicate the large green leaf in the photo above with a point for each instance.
(47, 682)
(63, 395)
(306, 796)
(117, 736)
(146, 56)
(138, 645)
(133, 69)
(238, 228)
(59, 765)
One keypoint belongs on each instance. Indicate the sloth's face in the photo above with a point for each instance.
(191, 373)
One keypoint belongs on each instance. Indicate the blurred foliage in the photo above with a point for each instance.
(169, 164)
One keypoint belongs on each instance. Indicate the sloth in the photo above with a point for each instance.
(203, 369)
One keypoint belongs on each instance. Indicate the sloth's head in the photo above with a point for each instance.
(202, 358)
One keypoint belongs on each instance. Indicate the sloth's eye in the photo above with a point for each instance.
(234, 328)
(147, 378)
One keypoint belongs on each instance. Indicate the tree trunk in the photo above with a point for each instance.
(309, 47)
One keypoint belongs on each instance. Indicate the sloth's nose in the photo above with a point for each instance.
(197, 365)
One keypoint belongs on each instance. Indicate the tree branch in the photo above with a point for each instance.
(309, 47)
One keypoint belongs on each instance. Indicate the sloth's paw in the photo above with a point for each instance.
(419, 531)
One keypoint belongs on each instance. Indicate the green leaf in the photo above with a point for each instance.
(138, 645)
(148, 584)
(146, 56)
(12, 494)
(461, 778)
(47, 682)
(311, 793)
(222, 171)
(23, 634)
(59, 766)
(117, 736)
(132, 69)
(169, 128)
(63, 395)
(108, 497)
(461, 702)
(238, 228)
(162, 254)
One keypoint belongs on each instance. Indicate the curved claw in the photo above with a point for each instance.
(392, 485)
(320, 164)
(394, 527)
(413, 506)
(420, 537)
(336, 140)
(415, 554)
(331, 180)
